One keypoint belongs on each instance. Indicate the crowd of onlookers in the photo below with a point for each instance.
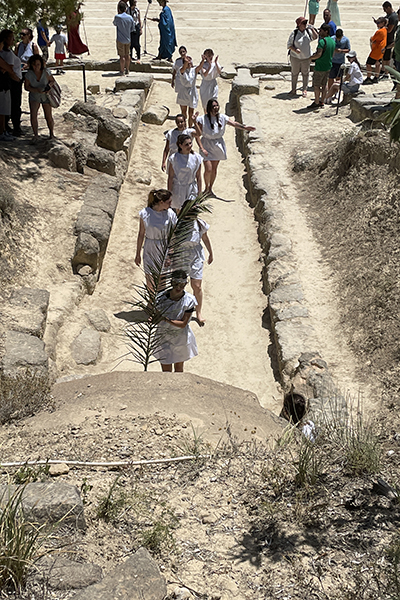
(331, 73)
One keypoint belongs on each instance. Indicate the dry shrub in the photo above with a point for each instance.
(23, 395)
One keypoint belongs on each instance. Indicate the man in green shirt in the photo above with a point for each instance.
(323, 64)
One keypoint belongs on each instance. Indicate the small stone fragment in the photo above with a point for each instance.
(60, 469)
(119, 112)
(144, 178)
(269, 86)
(182, 594)
(83, 270)
(94, 88)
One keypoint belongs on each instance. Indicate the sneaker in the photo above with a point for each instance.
(121, 73)
(313, 106)
(321, 105)
(6, 138)
(367, 81)
(384, 75)
(375, 80)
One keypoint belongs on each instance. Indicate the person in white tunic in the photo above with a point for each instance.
(212, 126)
(175, 82)
(188, 95)
(171, 138)
(184, 172)
(155, 221)
(193, 260)
(177, 343)
(209, 71)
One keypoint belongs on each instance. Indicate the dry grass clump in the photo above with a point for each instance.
(23, 395)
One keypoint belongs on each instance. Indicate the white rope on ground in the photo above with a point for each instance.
(122, 463)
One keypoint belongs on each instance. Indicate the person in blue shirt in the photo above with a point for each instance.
(328, 21)
(125, 25)
(43, 39)
(339, 56)
(167, 32)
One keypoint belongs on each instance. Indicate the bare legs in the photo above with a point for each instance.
(184, 111)
(168, 368)
(210, 174)
(49, 118)
(198, 294)
(34, 109)
(124, 63)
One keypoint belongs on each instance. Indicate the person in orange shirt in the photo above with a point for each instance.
(378, 45)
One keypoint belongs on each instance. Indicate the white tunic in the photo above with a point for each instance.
(176, 345)
(177, 66)
(209, 86)
(212, 137)
(156, 224)
(172, 137)
(193, 255)
(184, 186)
(187, 91)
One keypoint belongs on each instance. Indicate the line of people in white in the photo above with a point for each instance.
(183, 166)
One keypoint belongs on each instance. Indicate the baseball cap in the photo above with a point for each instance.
(301, 20)
(352, 54)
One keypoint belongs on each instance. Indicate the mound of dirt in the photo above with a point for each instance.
(354, 207)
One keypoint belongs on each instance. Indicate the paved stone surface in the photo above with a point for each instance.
(137, 578)
(63, 574)
(99, 319)
(23, 351)
(50, 502)
(86, 346)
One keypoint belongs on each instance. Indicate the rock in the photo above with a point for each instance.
(112, 134)
(59, 469)
(269, 86)
(85, 123)
(133, 82)
(94, 88)
(95, 222)
(29, 172)
(49, 502)
(101, 159)
(62, 157)
(23, 351)
(144, 178)
(182, 593)
(286, 293)
(109, 90)
(209, 518)
(86, 346)
(87, 250)
(229, 72)
(364, 107)
(293, 311)
(83, 270)
(155, 114)
(137, 578)
(63, 574)
(244, 83)
(120, 112)
(27, 309)
(90, 281)
(99, 319)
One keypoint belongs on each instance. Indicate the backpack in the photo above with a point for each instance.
(296, 31)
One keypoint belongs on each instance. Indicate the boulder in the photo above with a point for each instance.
(112, 134)
(87, 250)
(155, 114)
(98, 319)
(244, 84)
(64, 574)
(28, 309)
(101, 159)
(137, 81)
(62, 157)
(49, 502)
(95, 222)
(137, 578)
(86, 347)
(23, 351)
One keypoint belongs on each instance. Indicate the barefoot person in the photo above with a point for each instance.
(38, 81)
(194, 260)
(184, 172)
(212, 126)
(177, 343)
(155, 221)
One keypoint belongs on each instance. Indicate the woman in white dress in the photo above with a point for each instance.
(171, 138)
(188, 95)
(177, 343)
(212, 128)
(184, 172)
(209, 71)
(155, 222)
(193, 260)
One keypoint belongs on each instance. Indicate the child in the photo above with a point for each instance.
(125, 26)
(378, 45)
(177, 341)
(60, 41)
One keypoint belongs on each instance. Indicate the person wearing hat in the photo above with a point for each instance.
(299, 46)
(352, 81)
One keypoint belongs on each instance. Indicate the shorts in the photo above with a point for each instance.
(320, 79)
(334, 72)
(313, 7)
(388, 54)
(5, 103)
(350, 89)
(372, 61)
(123, 49)
(61, 56)
(45, 53)
(39, 97)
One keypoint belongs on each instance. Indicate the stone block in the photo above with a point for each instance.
(244, 83)
(61, 573)
(93, 88)
(99, 319)
(229, 71)
(132, 100)
(86, 347)
(120, 112)
(368, 107)
(87, 249)
(49, 501)
(285, 294)
(137, 578)
(62, 157)
(155, 114)
(95, 222)
(137, 81)
(28, 310)
(101, 160)
(23, 351)
(112, 133)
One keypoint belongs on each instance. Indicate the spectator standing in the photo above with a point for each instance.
(313, 10)
(61, 44)
(334, 8)
(6, 74)
(137, 32)
(342, 48)
(43, 39)
(391, 27)
(26, 47)
(38, 81)
(7, 38)
(378, 44)
(125, 25)
(328, 21)
(299, 45)
(166, 27)
(323, 65)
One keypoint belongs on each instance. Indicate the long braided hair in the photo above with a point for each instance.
(209, 110)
